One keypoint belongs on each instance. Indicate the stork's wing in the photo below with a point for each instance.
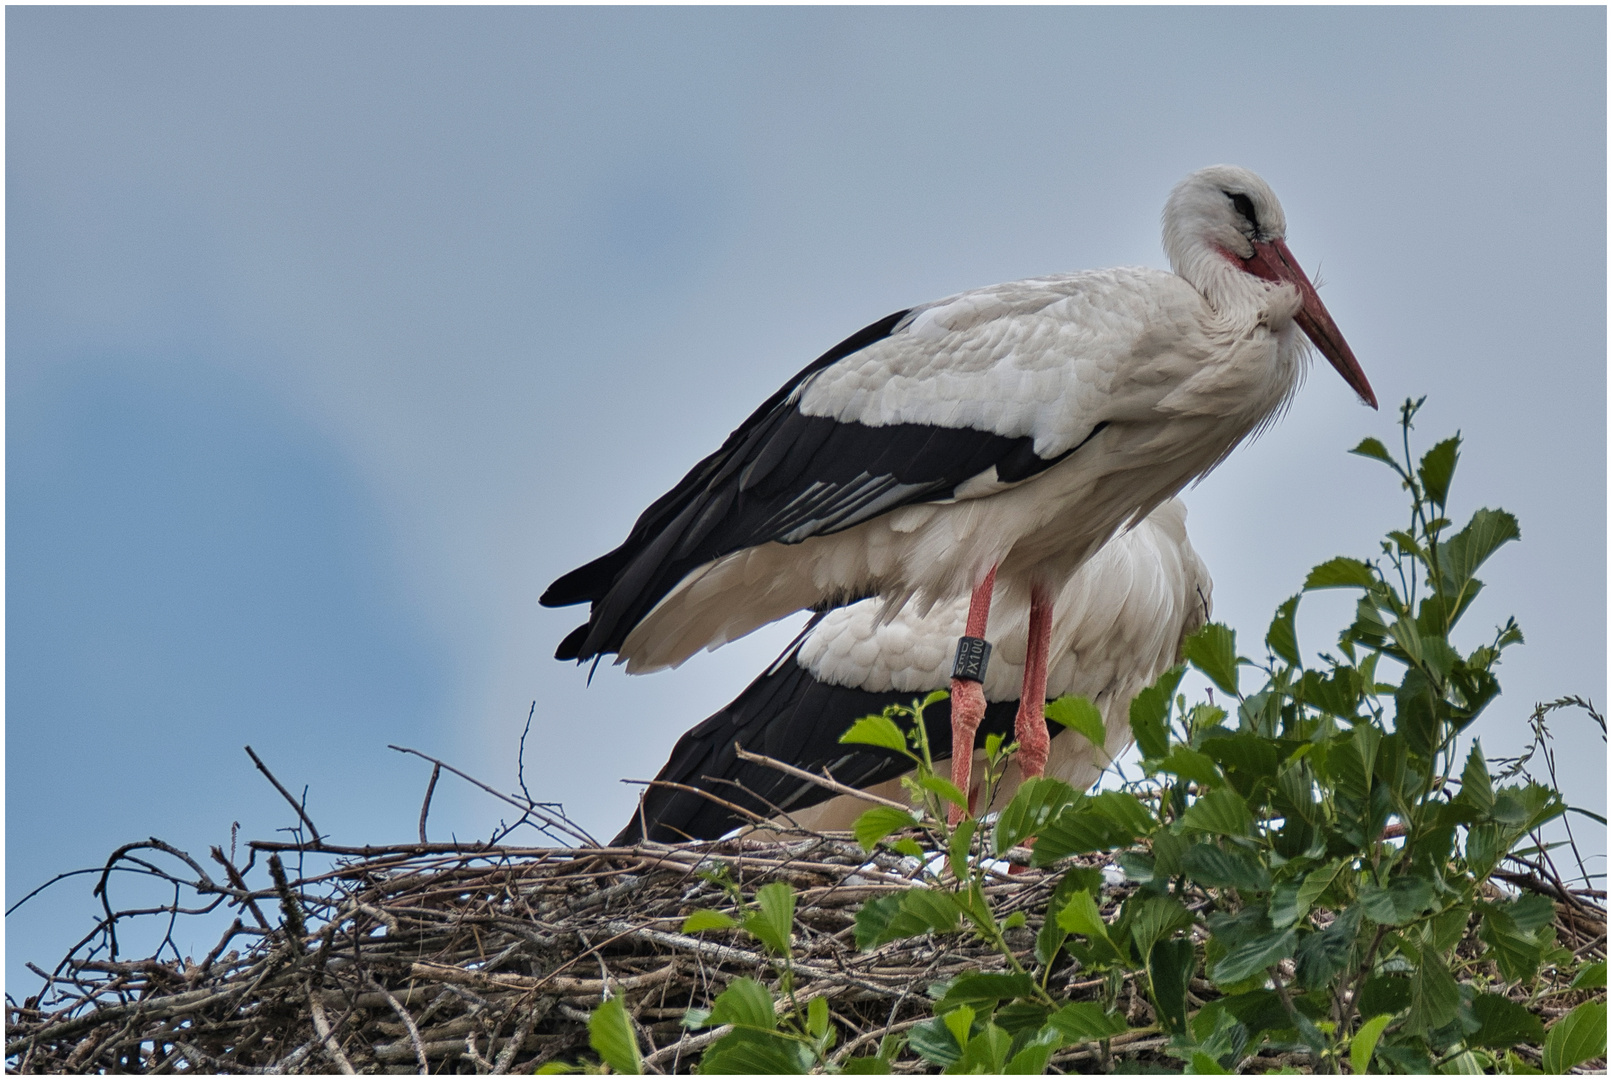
(789, 715)
(1011, 379)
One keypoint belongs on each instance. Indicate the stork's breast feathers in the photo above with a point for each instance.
(854, 647)
(1046, 358)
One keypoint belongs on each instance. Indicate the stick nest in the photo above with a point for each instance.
(445, 959)
(451, 958)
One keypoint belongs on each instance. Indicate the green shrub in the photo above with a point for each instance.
(1318, 848)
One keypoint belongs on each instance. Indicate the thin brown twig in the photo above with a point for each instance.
(425, 807)
(567, 827)
(295, 805)
(824, 780)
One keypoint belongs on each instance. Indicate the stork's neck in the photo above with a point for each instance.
(1237, 297)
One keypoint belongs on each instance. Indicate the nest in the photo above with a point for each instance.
(482, 958)
(449, 958)
(440, 958)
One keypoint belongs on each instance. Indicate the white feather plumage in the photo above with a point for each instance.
(1119, 623)
(1155, 377)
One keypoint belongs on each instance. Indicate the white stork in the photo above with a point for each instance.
(1004, 432)
(1119, 622)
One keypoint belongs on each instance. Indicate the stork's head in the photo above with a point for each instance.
(1222, 222)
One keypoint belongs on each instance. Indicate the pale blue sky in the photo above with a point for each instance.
(334, 335)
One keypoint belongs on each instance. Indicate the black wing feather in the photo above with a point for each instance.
(789, 715)
(781, 477)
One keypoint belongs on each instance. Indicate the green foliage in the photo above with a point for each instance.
(1077, 713)
(879, 823)
(611, 1035)
(1213, 651)
(1328, 821)
(1576, 1037)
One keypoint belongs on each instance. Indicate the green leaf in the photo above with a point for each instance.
(1389, 994)
(611, 1035)
(1484, 845)
(960, 1022)
(1221, 811)
(985, 988)
(1320, 955)
(1076, 831)
(1124, 810)
(1417, 707)
(1208, 865)
(1078, 713)
(1527, 806)
(1365, 1042)
(1576, 1038)
(865, 1066)
(1518, 956)
(1190, 764)
(1476, 786)
(1463, 553)
(1080, 915)
(1253, 955)
(1051, 937)
(1213, 651)
(1283, 638)
(1437, 466)
(877, 731)
(1531, 911)
(1403, 900)
(745, 1003)
(1085, 1021)
(1023, 1019)
(960, 845)
(708, 919)
(1169, 969)
(879, 822)
(903, 915)
(945, 789)
(1155, 918)
(1590, 977)
(1315, 883)
(1338, 693)
(774, 923)
(1435, 997)
(933, 1041)
(1204, 1065)
(745, 1051)
(986, 1052)
(909, 847)
(1341, 572)
(1032, 1059)
(1284, 907)
(1035, 803)
(1373, 448)
(1150, 713)
(1245, 758)
(817, 1017)
(1503, 1023)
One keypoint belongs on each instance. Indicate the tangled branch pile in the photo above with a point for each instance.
(444, 958)
(448, 959)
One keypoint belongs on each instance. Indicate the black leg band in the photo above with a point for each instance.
(973, 654)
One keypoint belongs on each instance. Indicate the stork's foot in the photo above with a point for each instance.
(968, 709)
(1030, 727)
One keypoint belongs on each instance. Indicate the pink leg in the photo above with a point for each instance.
(1031, 725)
(968, 697)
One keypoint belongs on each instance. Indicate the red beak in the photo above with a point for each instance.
(1273, 262)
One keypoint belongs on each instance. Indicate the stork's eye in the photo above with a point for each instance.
(1244, 206)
